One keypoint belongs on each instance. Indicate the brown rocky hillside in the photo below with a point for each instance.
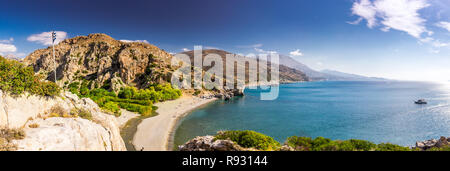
(286, 74)
(103, 61)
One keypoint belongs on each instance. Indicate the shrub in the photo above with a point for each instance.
(318, 142)
(112, 107)
(325, 144)
(34, 125)
(6, 137)
(391, 147)
(57, 111)
(362, 145)
(127, 92)
(299, 143)
(12, 134)
(16, 78)
(249, 139)
(141, 109)
(445, 148)
(73, 87)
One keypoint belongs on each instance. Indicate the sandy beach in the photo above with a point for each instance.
(153, 133)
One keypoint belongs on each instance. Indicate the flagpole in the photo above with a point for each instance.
(53, 47)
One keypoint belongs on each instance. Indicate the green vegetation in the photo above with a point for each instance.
(16, 79)
(325, 144)
(251, 139)
(128, 98)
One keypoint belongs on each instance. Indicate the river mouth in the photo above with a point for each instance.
(129, 130)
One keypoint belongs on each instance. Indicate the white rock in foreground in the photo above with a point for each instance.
(60, 134)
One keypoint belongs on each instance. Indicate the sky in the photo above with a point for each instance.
(396, 39)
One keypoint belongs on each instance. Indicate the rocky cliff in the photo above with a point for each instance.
(35, 115)
(102, 61)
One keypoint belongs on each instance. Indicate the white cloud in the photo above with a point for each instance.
(251, 46)
(444, 24)
(296, 53)
(10, 40)
(264, 51)
(426, 40)
(7, 48)
(356, 22)
(365, 10)
(402, 15)
(186, 49)
(45, 38)
(130, 41)
(439, 44)
(211, 47)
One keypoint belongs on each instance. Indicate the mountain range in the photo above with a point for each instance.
(324, 75)
(101, 61)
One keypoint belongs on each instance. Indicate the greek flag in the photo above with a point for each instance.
(53, 36)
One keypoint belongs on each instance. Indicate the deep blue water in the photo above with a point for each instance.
(374, 111)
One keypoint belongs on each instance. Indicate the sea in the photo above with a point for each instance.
(381, 112)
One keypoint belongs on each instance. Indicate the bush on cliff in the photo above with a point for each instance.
(16, 79)
(249, 139)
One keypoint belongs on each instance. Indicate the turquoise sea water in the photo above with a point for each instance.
(374, 111)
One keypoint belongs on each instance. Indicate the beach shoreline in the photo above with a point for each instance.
(156, 133)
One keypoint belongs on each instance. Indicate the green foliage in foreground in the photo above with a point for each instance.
(251, 139)
(16, 78)
(128, 98)
(325, 144)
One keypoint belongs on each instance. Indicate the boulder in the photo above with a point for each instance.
(207, 143)
(442, 142)
(428, 144)
(65, 134)
(20, 111)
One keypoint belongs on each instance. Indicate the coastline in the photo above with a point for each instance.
(155, 133)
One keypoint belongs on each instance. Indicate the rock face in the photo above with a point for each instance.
(65, 134)
(26, 111)
(428, 144)
(207, 143)
(102, 60)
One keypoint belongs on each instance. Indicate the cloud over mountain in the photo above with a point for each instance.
(296, 53)
(45, 38)
(401, 15)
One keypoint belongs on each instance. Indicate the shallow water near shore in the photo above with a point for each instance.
(374, 111)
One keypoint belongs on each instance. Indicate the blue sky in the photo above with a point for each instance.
(398, 39)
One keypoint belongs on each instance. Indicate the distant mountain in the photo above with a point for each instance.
(312, 74)
(287, 74)
(325, 75)
(350, 77)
